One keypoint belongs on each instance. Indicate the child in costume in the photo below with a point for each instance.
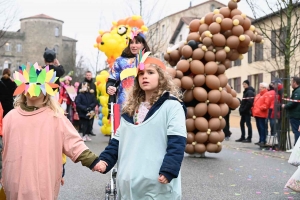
(121, 78)
(64, 96)
(149, 144)
(35, 135)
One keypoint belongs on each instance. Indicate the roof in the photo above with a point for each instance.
(41, 16)
(182, 21)
(68, 39)
(200, 4)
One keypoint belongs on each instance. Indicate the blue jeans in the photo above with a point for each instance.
(261, 127)
(295, 126)
(272, 123)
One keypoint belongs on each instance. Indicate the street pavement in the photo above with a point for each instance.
(240, 171)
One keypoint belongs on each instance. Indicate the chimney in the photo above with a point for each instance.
(190, 3)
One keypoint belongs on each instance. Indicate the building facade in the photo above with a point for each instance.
(29, 42)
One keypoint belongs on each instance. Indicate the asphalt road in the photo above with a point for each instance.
(239, 171)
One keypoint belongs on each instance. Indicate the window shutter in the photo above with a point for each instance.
(250, 55)
(250, 79)
(260, 78)
(273, 44)
(239, 85)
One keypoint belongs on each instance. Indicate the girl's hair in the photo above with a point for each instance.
(48, 101)
(6, 73)
(137, 95)
(137, 38)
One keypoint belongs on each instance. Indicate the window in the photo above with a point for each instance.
(56, 32)
(259, 52)
(7, 64)
(18, 63)
(255, 80)
(19, 47)
(273, 44)
(237, 84)
(163, 31)
(7, 46)
(56, 49)
(282, 37)
(237, 62)
(277, 74)
(212, 7)
(250, 55)
(278, 41)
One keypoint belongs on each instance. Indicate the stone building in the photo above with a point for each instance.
(29, 42)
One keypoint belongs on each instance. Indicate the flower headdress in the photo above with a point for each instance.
(143, 58)
(34, 80)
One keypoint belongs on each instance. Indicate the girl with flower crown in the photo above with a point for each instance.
(150, 141)
(35, 135)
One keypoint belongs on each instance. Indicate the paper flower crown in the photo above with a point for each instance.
(143, 59)
(34, 80)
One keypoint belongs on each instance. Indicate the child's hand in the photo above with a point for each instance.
(162, 179)
(100, 166)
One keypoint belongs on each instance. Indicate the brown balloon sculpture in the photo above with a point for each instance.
(220, 37)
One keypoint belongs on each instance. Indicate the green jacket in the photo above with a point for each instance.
(293, 108)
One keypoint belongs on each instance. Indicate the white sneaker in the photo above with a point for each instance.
(290, 150)
(88, 138)
(84, 138)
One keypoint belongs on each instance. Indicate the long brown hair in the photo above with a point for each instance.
(137, 95)
(140, 39)
(6, 73)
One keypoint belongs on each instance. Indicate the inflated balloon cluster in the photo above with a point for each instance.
(213, 43)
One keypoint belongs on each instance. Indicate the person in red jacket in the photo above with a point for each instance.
(272, 96)
(260, 111)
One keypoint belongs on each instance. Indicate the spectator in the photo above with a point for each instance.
(64, 96)
(245, 112)
(89, 79)
(272, 96)
(260, 111)
(7, 88)
(293, 108)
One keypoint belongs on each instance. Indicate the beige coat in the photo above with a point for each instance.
(32, 155)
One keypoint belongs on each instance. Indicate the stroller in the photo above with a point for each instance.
(110, 188)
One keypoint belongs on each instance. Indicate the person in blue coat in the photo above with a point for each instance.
(85, 106)
(149, 144)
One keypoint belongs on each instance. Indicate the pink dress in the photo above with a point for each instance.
(32, 154)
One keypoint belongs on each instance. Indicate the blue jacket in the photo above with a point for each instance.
(172, 161)
(83, 101)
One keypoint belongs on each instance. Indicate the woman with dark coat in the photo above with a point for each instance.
(7, 89)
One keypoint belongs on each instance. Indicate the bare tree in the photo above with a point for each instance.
(8, 15)
(280, 25)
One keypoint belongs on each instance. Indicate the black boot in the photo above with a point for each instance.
(247, 141)
(240, 140)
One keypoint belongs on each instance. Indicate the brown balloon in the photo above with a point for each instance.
(208, 19)
(224, 96)
(179, 74)
(224, 109)
(227, 63)
(233, 42)
(235, 103)
(218, 149)
(222, 123)
(200, 109)
(221, 55)
(187, 51)
(234, 55)
(226, 24)
(187, 82)
(166, 57)
(200, 148)
(227, 34)
(214, 96)
(177, 82)
(174, 55)
(200, 94)
(201, 137)
(203, 28)
(197, 67)
(212, 82)
(209, 56)
(221, 69)
(214, 110)
(171, 71)
(172, 63)
(207, 41)
(211, 148)
(190, 112)
(225, 11)
(190, 138)
(210, 68)
(189, 148)
(232, 5)
(222, 135)
(245, 42)
(183, 65)
(219, 40)
(198, 54)
(223, 80)
(214, 124)
(201, 124)
(228, 89)
(247, 24)
(216, 16)
(193, 36)
(190, 125)
(199, 80)
(237, 30)
(259, 38)
(188, 96)
(194, 25)
(229, 100)
(214, 28)
(235, 12)
(240, 18)
(250, 34)
(214, 137)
